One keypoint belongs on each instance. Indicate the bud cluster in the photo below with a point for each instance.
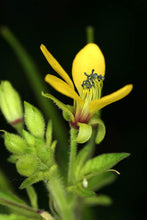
(33, 151)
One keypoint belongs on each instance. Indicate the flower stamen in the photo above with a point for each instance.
(91, 79)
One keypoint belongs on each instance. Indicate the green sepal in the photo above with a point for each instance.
(101, 130)
(13, 158)
(101, 180)
(61, 105)
(29, 138)
(82, 156)
(34, 120)
(98, 200)
(37, 177)
(32, 196)
(85, 132)
(53, 146)
(66, 115)
(14, 143)
(27, 165)
(81, 191)
(101, 164)
(49, 132)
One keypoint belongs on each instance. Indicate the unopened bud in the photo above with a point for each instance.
(10, 104)
(27, 165)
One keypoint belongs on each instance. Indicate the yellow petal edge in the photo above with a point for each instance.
(96, 105)
(56, 66)
(87, 59)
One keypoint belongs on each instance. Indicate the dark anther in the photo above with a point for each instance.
(89, 82)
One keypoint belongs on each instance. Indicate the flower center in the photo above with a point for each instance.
(92, 86)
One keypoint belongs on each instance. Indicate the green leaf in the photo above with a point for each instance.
(14, 143)
(101, 180)
(101, 131)
(85, 132)
(82, 156)
(13, 202)
(81, 191)
(14, 217)
(34, 120)
(38, 177)
(4, 182)
(98, 200)
(32, 196)
(60, 105)
(31, 180)
(101, 163)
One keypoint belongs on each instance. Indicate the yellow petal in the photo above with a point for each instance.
(61, 86)
(98, 104)
(55, 65)
(89, 58)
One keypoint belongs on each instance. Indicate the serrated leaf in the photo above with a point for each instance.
(98, 200)
(34, 120)
(85, 132)
(101, 180)
(61, 105)
(101, 130)
(101, 163)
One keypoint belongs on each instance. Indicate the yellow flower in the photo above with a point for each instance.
(88, 71)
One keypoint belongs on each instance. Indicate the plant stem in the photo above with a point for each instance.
(60, 198)
(90, 34)
(73, 151)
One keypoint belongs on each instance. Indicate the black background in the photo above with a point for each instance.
(119, 31)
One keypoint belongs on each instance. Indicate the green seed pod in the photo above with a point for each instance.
(34, 120)
(27, 165)
(14, 143)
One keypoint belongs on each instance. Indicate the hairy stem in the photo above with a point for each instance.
(73, 151)
(60, 198)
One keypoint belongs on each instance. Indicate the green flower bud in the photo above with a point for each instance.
(14, 143)
(27, 165)
(34, 120)
(10, 103)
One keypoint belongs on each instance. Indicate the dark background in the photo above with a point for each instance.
(119, 31)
